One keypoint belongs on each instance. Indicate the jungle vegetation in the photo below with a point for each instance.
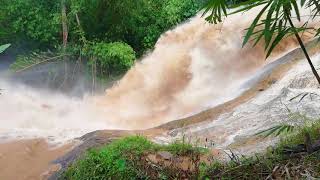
(109, 35)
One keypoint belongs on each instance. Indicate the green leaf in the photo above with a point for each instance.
(218, 9)
(248, 6)
(4, 47)
(296, 8)
(276, 130)
(254, 24)
(276, 41)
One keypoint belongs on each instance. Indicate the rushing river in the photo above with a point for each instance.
(193, 67)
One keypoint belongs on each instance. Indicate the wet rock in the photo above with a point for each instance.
(173, 133)
(304, 80)
(296, 93)
(165, 155)
(52, 170)
(152, 158)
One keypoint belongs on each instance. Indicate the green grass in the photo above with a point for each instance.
(184, 149)
(297, 137)
(126, 159)
(123, 159)
(273, 163)
(117, 160)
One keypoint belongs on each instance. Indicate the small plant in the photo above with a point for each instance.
(182, 148)
(277, 130)
(4, 47)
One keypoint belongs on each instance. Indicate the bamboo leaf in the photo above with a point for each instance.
(246, 8)
(276, 41)
(253, 25)
(296, 8)
(276, 130)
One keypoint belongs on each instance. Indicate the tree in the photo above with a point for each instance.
(64, 22)
(272, 24)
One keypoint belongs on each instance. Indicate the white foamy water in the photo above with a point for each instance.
(297, 91)
(193, 67)
(30, 113)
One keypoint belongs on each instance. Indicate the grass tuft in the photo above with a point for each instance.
(116, 160)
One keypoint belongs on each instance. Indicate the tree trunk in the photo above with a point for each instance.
(314, 71)
(64, 21)
(94, 74)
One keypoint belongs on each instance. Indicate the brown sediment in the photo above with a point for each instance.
(191, 66)
(276, 74)
(29, 159)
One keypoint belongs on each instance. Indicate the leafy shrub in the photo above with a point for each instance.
(112, 58)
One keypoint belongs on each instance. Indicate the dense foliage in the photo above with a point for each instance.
(138, 23)
(37, 25)
(30, 22)
(112, 58)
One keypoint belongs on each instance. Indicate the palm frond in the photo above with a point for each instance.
(276, 130)
(23, 62)
(217, 9)
(271, 23)
(314, 5)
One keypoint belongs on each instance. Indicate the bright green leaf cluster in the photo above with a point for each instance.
(111, 58)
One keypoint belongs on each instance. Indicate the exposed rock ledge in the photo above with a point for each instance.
(296, 93)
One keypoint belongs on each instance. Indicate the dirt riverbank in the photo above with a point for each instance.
(29, 159)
